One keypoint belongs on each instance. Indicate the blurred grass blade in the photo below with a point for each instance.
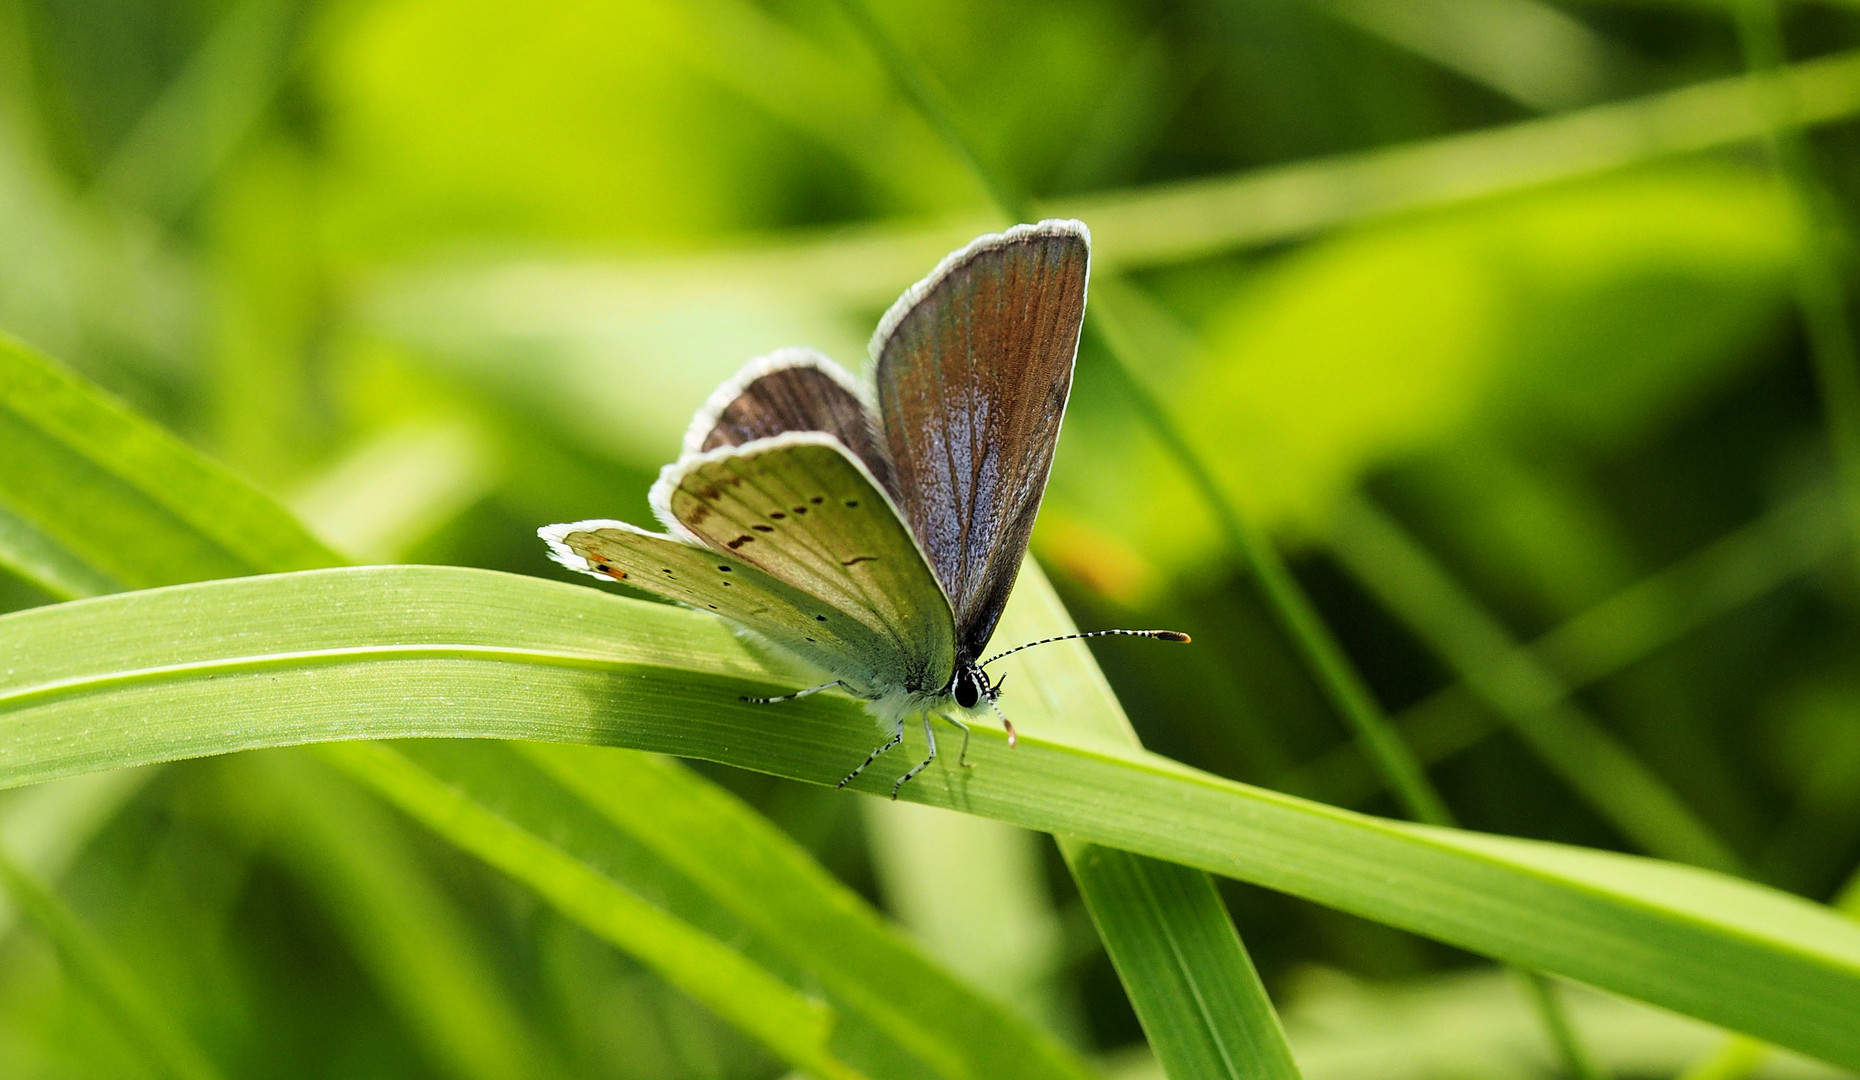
(1606, 638)
(793, 1025)
(431, 651)
(1157, 225)
(726, 885)
(1821, 291)
(29, 553)
(1197, 218)
(399, 486)
(974, 893)
(717, 864)
(1167, 918)
(171, 154)
(412, 937)
(158, 1037)
(45, 827)
(1532, 699)
(122, 497)
(1529, 51)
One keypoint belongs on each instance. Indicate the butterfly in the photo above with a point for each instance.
(875, 531)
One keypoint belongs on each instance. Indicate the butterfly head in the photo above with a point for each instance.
(970, 685)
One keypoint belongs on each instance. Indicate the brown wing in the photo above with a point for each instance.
(790, 390)
(973, 366)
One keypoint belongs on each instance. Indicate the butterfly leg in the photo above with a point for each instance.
(930, 735)
(896, 738)
(796, 694)
(962, 757)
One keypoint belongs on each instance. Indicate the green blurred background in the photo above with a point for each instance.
(1520, 275)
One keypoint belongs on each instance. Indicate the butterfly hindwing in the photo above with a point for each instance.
(973, 367)
(802, 510)
(794, 389)
(678, 570)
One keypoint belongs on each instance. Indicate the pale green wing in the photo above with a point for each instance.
(814, 630)
(802, 509)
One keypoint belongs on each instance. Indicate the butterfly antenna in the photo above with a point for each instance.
(1006, 724)
(1159, 635)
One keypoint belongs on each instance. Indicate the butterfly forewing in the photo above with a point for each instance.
(802, 510)
(973, 366)
(676, 570)
(790, 390)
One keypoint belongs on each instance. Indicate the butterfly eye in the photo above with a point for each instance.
(966, 690)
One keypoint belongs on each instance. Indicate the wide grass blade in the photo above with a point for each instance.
(426, 651)
(654, 826)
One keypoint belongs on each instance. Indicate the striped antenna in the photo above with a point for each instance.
(1159, 635)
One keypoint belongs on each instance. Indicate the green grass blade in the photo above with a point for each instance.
(1821, 292)
(427, 651)
(795, 1026)
(1156, 225)
(101, 975)
(44, 828)
(116, 494)
(1168, 922)
(708, 859)
(413, 939)
(1531, 698)
(1662, 608)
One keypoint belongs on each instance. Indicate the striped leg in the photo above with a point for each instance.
(796, 694)
(929, 734)
(896, 738)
